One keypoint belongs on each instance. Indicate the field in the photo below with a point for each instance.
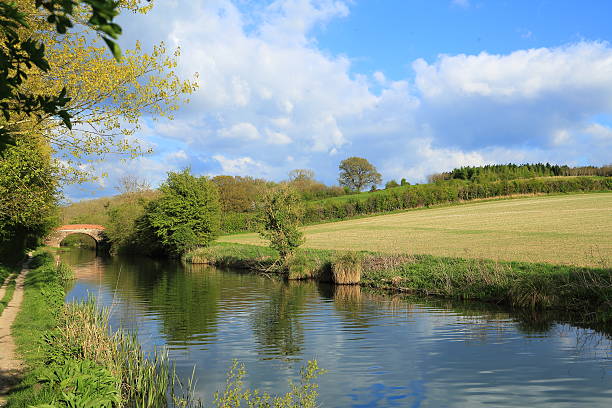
(569, 229)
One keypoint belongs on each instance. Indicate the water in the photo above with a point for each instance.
(379, 350)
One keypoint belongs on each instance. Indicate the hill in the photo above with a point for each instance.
(569, 229)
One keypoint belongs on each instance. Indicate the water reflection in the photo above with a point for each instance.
(380, 350)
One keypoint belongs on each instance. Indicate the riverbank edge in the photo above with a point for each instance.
(70, 354)
(541, 286)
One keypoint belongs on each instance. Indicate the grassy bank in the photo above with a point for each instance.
(570, 229)
(72, 359)
(517, 284)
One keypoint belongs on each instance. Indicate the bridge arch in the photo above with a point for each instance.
(60, 233)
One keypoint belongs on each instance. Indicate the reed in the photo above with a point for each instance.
(346, 268)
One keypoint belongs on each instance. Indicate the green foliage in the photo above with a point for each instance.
(498, 172)
(19, 56)
(357, 173)
(393, 183)
(239, 194)
(121, 227)
(65, 272)
(302, 395)
(281, 213)
(83, 384)
(28, 197)
(307, 264)
(451, 191)
(186, 214)
(79, 241)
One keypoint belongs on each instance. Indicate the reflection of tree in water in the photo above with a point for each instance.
(186, 300)
(277, 323)
(188, 303)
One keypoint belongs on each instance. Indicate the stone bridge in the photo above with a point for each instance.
(58, 235)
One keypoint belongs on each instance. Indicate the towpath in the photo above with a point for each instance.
(11, 366)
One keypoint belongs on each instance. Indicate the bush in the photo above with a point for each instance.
(64, 272)
(186, 215)
(281, 213)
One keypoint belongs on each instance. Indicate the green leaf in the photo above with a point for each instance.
(114, 48)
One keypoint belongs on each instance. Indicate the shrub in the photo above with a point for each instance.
(443, 192)
(346, 267)
(281, 212)
(186, 214)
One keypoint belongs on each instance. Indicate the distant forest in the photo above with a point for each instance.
(497, 172)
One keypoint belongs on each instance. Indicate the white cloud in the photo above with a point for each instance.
(277, 137)
(240, 131)
(523, 97)
(599, 131)
(241, 166)
(268, 93)
(179, 155)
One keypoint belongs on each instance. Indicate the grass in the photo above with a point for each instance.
(518, 284)
(568, 229)
(346, 268)
(8, 294)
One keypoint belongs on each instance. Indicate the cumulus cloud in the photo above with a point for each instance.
(526, 97)
(268, 93)
(241, 166)
(240, 131)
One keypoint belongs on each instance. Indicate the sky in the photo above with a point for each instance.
(415, 86)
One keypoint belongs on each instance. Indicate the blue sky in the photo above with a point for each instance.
(416, 87)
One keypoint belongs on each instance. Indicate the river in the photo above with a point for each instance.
(379, 350)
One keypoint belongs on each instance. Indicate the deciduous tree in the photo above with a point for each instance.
(281, 214)
(186, 215)
(357, 173)
(107, 98)
(28, 195)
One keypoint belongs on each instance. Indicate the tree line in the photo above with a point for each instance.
(495, 172)
(188, 211)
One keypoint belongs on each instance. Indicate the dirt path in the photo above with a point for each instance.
(10, 365)
(4, 285)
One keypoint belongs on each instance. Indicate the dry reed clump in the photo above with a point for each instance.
(346, 268)
(201, 256)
